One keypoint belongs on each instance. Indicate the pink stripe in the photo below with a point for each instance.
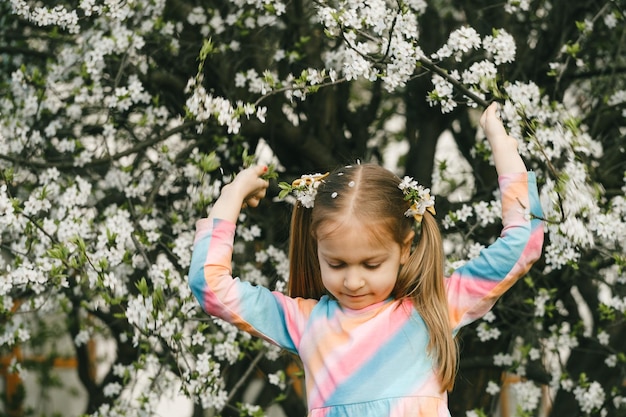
(203, 227)
(217, 271)
(422, 406)
(334, 358)
(475, 300)
(297, 312)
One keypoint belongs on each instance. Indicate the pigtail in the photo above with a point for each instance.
(304, 269)
(421, 278)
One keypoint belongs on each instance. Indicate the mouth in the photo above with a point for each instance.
(354, 301)
(354, 296)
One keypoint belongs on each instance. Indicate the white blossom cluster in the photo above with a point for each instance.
(205, 106)
(513, 6)
(480, 76)
(528, 395)
(391, 32)
(43, 16)
(482, 213)
(590, 398)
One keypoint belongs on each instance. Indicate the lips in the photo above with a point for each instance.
(354, 299)
(355, 296)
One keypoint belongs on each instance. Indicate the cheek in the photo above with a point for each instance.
(328, 276)
(387, 281)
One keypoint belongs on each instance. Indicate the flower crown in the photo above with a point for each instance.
(303, 188)
(419, 197)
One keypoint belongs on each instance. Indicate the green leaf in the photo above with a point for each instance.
(271, 173)
(158, 299)
(573, 49)
(142, 286)
(206, 50)
(248, 160)
(209, 162)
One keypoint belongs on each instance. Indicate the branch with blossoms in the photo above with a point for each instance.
(422, 61)
(142, 145)
(431, 66)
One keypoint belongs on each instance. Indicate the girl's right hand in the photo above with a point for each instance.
(246, 189)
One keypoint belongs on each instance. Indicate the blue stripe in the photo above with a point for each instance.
(392, 370)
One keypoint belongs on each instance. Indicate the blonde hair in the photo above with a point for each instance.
(370, 193)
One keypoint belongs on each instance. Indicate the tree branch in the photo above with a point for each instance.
(431, 66)
(105, 160)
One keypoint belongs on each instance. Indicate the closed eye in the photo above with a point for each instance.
(371, 266)
(338, 265)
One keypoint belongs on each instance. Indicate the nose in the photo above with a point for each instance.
(352, 280)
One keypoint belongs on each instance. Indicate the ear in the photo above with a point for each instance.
(405, 248)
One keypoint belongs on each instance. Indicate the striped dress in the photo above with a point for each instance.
(370, 362)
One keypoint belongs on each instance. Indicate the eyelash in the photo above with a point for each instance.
(341, 265)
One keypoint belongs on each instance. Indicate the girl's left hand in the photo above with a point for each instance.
(494, 129)
(503, 147)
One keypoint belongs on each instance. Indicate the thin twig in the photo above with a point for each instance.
(580, 37)
(245, 376)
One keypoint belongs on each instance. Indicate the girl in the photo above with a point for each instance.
(372, 319)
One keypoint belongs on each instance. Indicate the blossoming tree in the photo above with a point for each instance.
(120, 121)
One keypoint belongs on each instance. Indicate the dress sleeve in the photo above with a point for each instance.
(254, 309)
(475, 287)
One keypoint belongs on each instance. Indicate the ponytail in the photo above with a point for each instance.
(421, 278)
(304, 268)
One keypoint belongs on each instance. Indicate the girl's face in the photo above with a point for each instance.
(359, 263)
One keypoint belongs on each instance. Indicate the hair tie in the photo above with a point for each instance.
(419, 197)
(303, 188)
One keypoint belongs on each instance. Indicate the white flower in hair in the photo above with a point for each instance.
(419, 197)
(307, 195)
(303, 188)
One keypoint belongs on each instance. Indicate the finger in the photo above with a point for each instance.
(496, 111)
(492, 111)
(252, 177)
(483, 117)
(253, 202)
(261, 193)
(258, 194)
(259, 169)
(254, 199)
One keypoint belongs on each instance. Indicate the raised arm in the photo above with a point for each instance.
(474, 288)
(254, 309)
(503, 146)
